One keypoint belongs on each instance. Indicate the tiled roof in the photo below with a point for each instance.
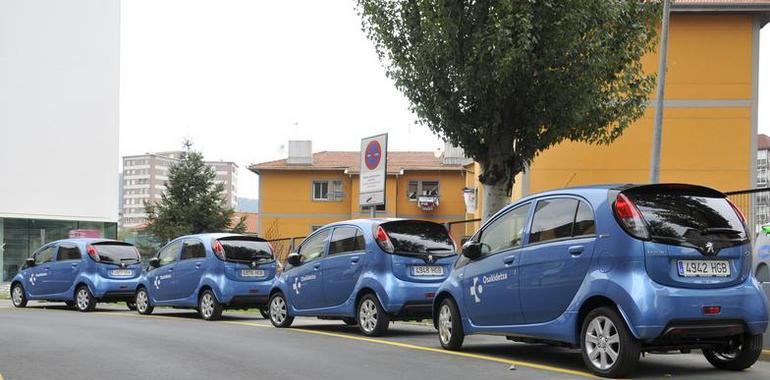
(763, 141)
(326, 160)
(721, 5)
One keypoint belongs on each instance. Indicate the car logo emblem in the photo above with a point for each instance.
(297, 285)
(157, 282)
(476, 290)
(253, 264)
(710, 249)
(430, 259)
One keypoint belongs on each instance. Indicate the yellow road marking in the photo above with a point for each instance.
(434, 350)
(415, 347)
(763, 351)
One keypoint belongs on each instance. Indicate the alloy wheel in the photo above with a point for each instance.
(445, 324)
(83, 299)
(207, 305)
(141, 301)
(602, 343)
(278, 311)
(367, 315)
(17, 295)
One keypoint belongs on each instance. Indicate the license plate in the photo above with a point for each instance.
(252, 273)
(428, 270)
(121, 272)
(704, 268)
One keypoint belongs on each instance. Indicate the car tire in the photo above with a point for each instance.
(18, 297)
(142, 302)
(372, 318)
(604, 337)
(131, 305)
(279, 311)
(350, 321)
(210, 308)
(265, 313)
(738, 358)
(84, 300)
(450, 325)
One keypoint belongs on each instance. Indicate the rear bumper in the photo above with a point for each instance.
(112, 290)
(118, 296)
(410, 300)
(666, 313)
(245, 294)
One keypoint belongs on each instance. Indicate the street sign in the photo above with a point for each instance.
(374, 163)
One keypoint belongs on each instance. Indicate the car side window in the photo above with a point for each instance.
(169, 254)
(584, 221)
(506, 232)
(345, 240)
(553, 219)
(45, 255)
(192, 249)
(313, 248)
(68, 252)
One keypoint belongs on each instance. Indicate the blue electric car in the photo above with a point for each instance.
(615, 271)
(208, 272)
(366, 272)
(79, 272)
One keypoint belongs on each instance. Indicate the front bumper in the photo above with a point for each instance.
(667, 312)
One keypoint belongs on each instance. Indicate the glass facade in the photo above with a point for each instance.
(20, 237)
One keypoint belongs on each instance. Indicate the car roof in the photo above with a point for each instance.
(212, 235)
(85, 241)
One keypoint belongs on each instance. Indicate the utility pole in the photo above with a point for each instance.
(658, 128)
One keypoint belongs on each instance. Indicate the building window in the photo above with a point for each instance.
(327, 191)
(416, 189)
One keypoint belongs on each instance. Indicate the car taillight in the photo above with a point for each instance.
(218, 249)
(630, 217)
(383, 240)
(92, 252)
(737, 211)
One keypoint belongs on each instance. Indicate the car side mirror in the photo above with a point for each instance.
(154, 262)
(29, 262)
(472, 250)
(294, 259)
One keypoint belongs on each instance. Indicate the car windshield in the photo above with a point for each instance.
(246, 250)
(415, 237)
(678, 216)
(117, 253)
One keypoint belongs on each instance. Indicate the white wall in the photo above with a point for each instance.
(59, 72)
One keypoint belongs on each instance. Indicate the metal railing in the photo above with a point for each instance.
(755, 204)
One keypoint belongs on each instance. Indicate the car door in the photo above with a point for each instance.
(556, 258)
(64, 269)
(190, 267)
(162, 279)
(491, 282)
(342, 266)
(39, 278)
(306, 280)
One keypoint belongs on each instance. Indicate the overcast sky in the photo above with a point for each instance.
(242, 77)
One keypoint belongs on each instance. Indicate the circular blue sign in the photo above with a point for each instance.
(373, 155)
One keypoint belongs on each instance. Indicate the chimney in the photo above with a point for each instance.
(300, 152)
(454, 155)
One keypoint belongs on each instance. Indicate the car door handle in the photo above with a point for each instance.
(198, 265)
(509, 260)
(575, 250)
(354, 259)
(74, 265)
(316, 266)
(169, 269)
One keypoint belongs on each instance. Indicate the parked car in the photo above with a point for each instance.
(366, 272)
(762, 255)
(80, 273)
(615, 271)
(210, 273)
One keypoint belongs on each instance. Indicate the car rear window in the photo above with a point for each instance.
(117, 253)
(246, 250)
(419, 237)
(677, 215)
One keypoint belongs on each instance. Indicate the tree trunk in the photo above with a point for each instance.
(495, 198)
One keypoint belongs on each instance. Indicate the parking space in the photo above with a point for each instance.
(46, 341)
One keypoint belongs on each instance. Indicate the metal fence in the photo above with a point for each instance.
(755, 204)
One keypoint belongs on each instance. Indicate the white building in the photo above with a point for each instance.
(145, 176)
(59, 73)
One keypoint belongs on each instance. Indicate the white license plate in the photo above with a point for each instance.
(428, 270)
(252, 273)
(704, 268)
(121, 272)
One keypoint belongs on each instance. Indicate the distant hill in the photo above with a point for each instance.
(247, 205)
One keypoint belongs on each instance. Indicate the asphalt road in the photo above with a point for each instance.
(51, 342)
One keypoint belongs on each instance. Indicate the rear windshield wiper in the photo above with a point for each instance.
(720, 230)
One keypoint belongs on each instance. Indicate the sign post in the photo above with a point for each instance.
(374, 164)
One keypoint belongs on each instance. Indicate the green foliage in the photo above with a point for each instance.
(192, 203)
(506, 80)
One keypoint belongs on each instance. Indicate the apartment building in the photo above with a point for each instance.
(145, 177)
